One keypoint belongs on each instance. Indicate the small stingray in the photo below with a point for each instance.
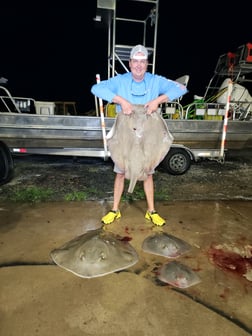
(166, 245)
(95, 253)
(178, 275)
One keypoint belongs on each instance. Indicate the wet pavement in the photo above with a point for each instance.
(40, 298)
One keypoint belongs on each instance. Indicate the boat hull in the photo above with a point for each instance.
(56, 131)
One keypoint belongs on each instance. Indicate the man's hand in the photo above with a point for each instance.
(151, 106)
(127, 107)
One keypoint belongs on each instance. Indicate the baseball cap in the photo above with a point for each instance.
(139, 49)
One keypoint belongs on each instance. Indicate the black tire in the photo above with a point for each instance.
(6, 164)
(177, 161)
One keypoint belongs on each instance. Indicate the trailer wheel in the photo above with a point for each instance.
(177, 161)
(6, 164)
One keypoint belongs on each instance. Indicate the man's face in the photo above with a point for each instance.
(138, 67)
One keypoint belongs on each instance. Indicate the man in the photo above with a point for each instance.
(137, 87)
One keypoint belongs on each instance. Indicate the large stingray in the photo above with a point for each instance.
(178, 275)
(164, 244)
(95, 253)
(138, 143)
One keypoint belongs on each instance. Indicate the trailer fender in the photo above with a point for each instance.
(6, 164)
(178, 160)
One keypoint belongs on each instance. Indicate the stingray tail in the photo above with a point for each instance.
(132, 185)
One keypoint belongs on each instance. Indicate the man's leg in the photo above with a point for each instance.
(149, 192)
(118, 190)
(151, 213)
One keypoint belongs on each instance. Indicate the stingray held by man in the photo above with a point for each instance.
(138, 143)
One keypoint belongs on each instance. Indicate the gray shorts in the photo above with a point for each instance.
(120, 171)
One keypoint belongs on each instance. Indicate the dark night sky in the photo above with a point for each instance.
(54, 53)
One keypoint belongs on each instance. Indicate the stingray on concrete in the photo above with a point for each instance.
(95, 253)
(138, 143)
(178, 275)
(164, 244)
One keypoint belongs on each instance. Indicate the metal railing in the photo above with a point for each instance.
(11, 104)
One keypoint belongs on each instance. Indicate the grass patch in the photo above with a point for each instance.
(31, 195)
(162, 196)
(76, 196)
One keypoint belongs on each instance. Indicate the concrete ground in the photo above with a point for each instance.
(40, 298)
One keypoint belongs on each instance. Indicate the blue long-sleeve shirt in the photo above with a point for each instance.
(142, 92)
